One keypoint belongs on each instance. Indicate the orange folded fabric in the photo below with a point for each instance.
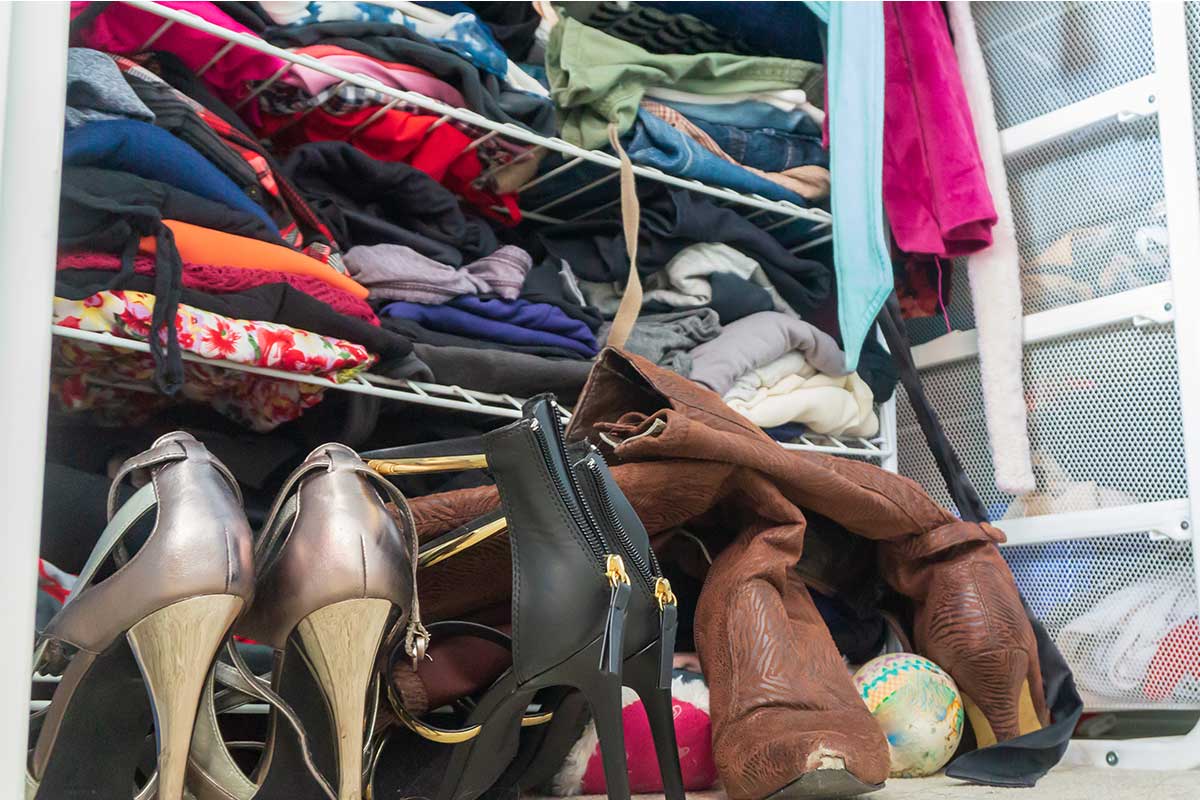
(199, 245)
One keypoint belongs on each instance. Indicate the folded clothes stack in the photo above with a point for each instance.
(226, 188)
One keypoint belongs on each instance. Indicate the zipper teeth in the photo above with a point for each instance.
(561, 437)
(655, 567)
(617, 526)
(580, 514)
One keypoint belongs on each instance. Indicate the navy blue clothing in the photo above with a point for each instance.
(150, 152)
(506, 321)
(787, 432)
(782, 29)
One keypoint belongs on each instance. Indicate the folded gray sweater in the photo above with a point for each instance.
(397, 272)
(668, 339)
(759, 339)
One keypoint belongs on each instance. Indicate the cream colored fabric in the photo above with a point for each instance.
(789, 389)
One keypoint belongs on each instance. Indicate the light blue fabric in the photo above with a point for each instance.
(463, 33)
(855, 104)
(656, 144)
(747, 114)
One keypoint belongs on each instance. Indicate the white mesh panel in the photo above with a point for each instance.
(1192, 10)
(1043, 56)
(1123, 611)
(1104, 411)
(1090, 208)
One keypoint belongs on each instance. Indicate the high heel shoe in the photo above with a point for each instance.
(651, 620)
(143, 638)
(569, 600)
(336, 580)
(650, 629)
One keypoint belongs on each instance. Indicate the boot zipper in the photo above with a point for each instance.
(615, 525)
(579, 512)
(612, 652)
(651, 573)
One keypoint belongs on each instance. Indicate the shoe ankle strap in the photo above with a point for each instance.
(283, 511)
(170, 448)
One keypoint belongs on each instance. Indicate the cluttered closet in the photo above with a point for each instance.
(313, 257)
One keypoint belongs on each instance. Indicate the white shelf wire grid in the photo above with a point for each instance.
(454, 398)
(768, 214)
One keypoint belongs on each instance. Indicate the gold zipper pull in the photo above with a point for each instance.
(615, 570)
(663, 593)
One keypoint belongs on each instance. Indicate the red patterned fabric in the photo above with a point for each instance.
(222, 280)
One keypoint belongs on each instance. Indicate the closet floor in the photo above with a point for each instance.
(1063, 783)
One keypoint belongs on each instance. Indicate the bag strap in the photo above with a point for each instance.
(631, 214)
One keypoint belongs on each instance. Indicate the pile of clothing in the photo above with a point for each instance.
(225, 203)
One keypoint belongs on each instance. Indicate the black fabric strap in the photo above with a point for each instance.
(1025, 759)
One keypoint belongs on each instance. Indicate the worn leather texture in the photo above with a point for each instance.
(344, 544)
(683, 458)
(201, 544)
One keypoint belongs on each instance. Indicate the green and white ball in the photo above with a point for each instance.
(918, 707)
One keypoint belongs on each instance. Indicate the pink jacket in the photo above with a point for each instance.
(934, 189)
(124, 29)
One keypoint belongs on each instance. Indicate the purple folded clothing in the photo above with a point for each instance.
(505, 321)
(397, 272)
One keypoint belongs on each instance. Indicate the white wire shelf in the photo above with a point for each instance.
(1125, 103)
(437, 395)
(789, 212)
(1165, 519)
(1145, 305)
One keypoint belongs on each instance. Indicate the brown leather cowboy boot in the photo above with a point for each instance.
(787, 721)
(970, 620)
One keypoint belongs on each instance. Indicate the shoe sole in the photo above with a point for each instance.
(826, 784)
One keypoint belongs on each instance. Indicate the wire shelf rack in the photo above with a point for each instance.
(454, 398)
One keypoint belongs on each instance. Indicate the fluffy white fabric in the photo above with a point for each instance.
(789, 390)
(995, 276)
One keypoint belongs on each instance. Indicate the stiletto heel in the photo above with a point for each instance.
(336, 580)
(642, 675)
(173, 647)
(134, 649)
(603, 694)
(341, 645)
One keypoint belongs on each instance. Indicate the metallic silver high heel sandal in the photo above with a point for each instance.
(134, 649)
(336, 581)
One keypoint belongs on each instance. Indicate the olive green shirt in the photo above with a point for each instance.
(597, 79)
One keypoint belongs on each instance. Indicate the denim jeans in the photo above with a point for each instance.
(652, 143)
(748, 114)
(657, 144)
(765, 148)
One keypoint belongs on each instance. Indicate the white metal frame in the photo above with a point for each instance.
(1177, 139)
(1167, 93)
(30, 168)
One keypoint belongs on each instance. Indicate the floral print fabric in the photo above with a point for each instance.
(259, 402)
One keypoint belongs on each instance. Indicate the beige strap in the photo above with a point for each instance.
(631, 213)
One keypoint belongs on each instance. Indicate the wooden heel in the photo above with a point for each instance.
(1027, 718)
(341, 643)
(175, 647)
